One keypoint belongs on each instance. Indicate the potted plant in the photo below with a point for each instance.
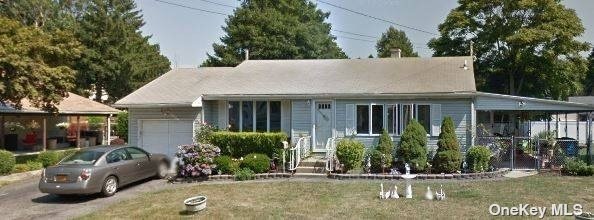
(63, 126)
(195, 204)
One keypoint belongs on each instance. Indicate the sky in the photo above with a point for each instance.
(186, 35)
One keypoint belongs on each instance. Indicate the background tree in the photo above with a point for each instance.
(589, 84)
(34, 64)
(284, 29)
(117, 58)
(447, 159)
(394, 38)
(515, 42)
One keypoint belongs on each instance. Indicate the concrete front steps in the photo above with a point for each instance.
(314, 164)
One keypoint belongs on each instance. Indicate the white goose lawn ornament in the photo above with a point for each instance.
(394, 193)
(381, 191)
(441, 195)
(429, 194)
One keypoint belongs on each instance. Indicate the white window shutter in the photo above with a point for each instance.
(435, 119)
(350, 120)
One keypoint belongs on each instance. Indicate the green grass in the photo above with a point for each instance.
(352, 199)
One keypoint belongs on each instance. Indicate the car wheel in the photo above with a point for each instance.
(162, 170)
(110, 186)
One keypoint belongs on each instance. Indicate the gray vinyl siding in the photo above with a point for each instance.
(211, 112)
(459, 110)
(136, 114)
(300, 119)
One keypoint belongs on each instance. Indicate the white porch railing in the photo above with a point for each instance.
(298, 152)
(330, 153)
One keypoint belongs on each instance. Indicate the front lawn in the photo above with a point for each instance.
(353, 199)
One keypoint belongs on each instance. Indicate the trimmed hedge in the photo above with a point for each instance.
(577, 167)
(239, 144)
(7, 162)
(350, 153)
(259, 163)
(226, 165)
(48, 158)
(478, 158)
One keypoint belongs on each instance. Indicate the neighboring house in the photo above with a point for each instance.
(31, 129)
(319, 98)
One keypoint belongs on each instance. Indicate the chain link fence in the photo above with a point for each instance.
(531, 153)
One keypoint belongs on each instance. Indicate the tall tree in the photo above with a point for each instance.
(589, 84)
(35, 64)
(515, 42)
(392, 39)
(284, 29)
(117, 58)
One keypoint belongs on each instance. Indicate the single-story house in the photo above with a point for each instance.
(321, 99)
(31, 129)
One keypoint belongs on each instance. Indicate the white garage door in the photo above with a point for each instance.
(163, 136)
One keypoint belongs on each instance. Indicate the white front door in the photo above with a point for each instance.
(323, 124)
(163, 136)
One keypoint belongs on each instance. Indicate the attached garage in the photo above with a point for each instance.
(163, 135)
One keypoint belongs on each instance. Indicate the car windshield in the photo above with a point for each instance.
(82, 157)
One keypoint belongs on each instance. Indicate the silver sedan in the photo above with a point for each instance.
(103, 170)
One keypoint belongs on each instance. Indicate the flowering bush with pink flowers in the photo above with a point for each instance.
(196, 160)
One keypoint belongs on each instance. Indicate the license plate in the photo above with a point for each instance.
(61, 178)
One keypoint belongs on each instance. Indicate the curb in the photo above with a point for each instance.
(455, 176)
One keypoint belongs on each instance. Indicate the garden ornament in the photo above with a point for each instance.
(429, 194)
(394, 193)
(440, 195)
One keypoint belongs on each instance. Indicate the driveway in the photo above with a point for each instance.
(22, 200)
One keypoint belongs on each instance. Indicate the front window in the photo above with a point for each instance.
(117, 156)
(362, 119)
(407, 115)
(234, 116)
(83, 157)
(392, 118)
(377, 119)
(424, 116)
(247, 116)
(261, 116)
(267, 115)
(275, 116)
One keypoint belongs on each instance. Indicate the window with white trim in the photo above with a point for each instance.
(259, 116)
(424, 116)
(406, 115)
(392, 119)
(377, 119)
(362, 112)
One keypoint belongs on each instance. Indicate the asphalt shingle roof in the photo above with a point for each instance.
(73, 104)
(310, 77)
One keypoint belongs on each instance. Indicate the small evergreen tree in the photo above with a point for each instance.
(447, 158)
(412, 148)
(385, 146)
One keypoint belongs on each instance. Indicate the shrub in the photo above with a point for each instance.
(226, 164)
(239, 144)
(7, 162)
(196, 160)
(244, 174)
(576, 167)
(34, 165)
(478, 158)
(376, 157)
(412, 148)
(203, 132)
(259, 163)
(48, 158)
(350, 153)
(447, 158)
(121, 128)
(20, 168)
